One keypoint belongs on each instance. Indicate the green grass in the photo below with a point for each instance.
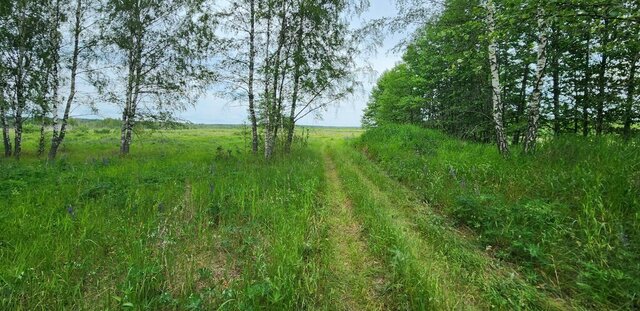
(568, 217)
(192, 221)
(433, 267)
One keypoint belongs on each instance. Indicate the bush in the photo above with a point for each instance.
(102, 131)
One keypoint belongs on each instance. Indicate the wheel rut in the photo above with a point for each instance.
(359, 277)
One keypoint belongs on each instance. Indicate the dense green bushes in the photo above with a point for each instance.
(569, 215)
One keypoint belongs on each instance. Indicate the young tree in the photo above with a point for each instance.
(60, 125)
(4, 76)
(162, 47)
(240, 22)
(23, 51)
(534, 106)
(252, 69)
(322, 60)
(47, 99)
(274, 67)
(6, 138)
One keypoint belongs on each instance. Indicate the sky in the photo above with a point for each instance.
(211, 109)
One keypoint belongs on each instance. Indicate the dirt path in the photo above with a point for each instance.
(358, 276)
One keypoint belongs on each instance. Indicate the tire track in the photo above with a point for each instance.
(359, 278)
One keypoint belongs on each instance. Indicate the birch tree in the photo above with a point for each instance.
(277, 12)
(496, 87)
(239, 64)
(160, 50)
(6, 138)
(22, 53)
(4, 76)
(60, 125)
(323, 60)
(541, 64)
(250, 83)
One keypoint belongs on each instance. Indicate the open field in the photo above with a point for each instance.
(191, 220)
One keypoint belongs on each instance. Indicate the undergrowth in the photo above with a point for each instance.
(568, 216)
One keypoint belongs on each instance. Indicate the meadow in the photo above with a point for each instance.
(396, 218)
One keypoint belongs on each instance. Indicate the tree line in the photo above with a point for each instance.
(284, 59)
(508, 71)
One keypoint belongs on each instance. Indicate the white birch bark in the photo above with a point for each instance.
(252, 61)
(6, 138)
(534, 105)
(496, 87)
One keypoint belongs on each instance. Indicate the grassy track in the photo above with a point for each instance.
(433, 267)
(358, 279)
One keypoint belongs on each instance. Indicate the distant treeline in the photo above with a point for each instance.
(507, 69)
(32, 125)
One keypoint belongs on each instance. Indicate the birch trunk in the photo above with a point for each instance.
(274, 113)
(54, 46)
(126, 112)
(6, 136)
(252, 61)
(576, 104)
(628, 109)
(503, 148)
(41, 141)
(133, 85)
(19, 106)
(587, 84)
(291, 124)
(534, 106)
(267, 97)
(556, 83)
(55, 37)
(59, 134)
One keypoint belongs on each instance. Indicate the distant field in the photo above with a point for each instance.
(191, 220)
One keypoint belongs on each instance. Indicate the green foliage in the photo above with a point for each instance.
(395, 100)
(443, 80)
(589, 84)
(567, 216)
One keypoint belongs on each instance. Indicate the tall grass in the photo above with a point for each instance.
(568, 216)
(432, 267)
(188, 221)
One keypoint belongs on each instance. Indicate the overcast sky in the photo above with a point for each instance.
(213, 110)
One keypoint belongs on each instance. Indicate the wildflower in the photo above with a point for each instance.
(71, 211)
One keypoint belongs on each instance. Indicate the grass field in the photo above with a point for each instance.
(192, 221)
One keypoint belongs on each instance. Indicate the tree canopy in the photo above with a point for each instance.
(586, 50)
